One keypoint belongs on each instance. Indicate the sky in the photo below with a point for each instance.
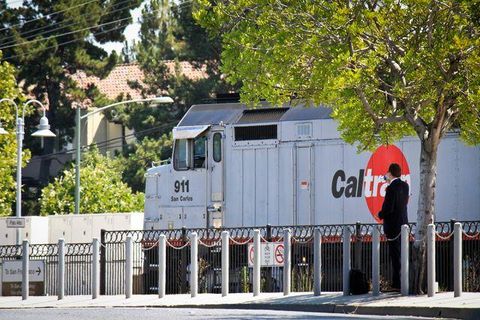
(131, 32)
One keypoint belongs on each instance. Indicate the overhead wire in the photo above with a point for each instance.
(30, 33)
(186, 3)
(48, 15)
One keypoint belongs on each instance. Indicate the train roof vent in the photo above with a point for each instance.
(262, 115)
(266, 132)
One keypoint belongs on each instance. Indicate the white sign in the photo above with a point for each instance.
(271, 254)
(15, 222)
(12, 271)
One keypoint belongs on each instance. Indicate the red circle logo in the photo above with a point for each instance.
(374, 183)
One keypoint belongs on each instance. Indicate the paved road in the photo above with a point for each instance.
(174, 314)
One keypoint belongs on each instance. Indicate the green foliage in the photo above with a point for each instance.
(388, 68)
(8, 145)
(102, 189)
(49, 40)
(141, 156)
(168, 32)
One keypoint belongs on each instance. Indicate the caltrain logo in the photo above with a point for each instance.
(370, 182)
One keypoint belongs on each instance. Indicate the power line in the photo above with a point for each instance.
(64, 34)
(48, 15)
(29, 33)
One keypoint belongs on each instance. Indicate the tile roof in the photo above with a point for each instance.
(116, 82)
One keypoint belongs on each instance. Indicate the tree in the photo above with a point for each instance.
(8, 145)
(49, 40)
(388, 68)
(102, 189)
(142, 156)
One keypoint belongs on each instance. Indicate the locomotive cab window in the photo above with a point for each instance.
(199, 146)
(181, 155)
(217, 147)
(189, 153)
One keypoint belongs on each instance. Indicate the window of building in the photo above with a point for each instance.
(217, 147)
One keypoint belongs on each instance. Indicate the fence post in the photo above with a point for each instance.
(346, 260)
(128, 267)
(25, 268)
(358, 246)
(256, 262)
(450, 255)
(193, 264)
(376, 261)
(95, 268)
(162, 265)
(287, 261)
(457, 260)
(225, 263)
(183, 267)
(404, 260)
(317, 262)
(103, 262)
(268, 273)
(431, 259)
(61, 269)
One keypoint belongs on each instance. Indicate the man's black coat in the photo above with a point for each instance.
(394, 208)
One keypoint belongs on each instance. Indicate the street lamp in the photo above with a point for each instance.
(79, 117)
(43, 131)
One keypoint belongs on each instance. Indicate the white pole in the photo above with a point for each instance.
(20, 133)
(431, 259)
(225, 263)
(25, 268)
(95, 268)
(162, 265)
(193, 264)
(346, 260)
(457, 259)
(404, 260)
(128, 267)
(317, 263)
(376, 261)
(61, 269)
(287, 261)
(256, 262)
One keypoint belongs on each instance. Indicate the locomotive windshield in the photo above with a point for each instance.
(190, 153)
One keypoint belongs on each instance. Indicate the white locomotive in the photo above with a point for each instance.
(233, 166)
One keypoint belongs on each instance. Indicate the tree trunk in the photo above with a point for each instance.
(426, 209)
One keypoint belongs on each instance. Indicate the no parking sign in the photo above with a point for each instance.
(271, 254)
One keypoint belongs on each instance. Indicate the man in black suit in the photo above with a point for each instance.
(394, 215)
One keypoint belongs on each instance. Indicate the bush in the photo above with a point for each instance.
(102, 189)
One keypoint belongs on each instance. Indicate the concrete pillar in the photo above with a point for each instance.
(457, 260)
(346, 260)
(256, 262)
(317, 262)
(404, 260)
(376, 261)
(25, 268)
(287, 261)
(61, 269)
(225, 262)
(128, 267)
(162, 265)
(431, 260)
(193, 264)
(95, 268)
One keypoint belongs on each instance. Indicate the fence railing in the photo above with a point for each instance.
(143, 264)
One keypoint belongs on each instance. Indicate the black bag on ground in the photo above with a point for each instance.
(358, 282)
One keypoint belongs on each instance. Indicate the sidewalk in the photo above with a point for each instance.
(442, 305)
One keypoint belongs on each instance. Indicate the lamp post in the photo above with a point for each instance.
(79, 118)
(43, 131)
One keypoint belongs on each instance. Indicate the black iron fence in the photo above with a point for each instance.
(78, 259)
